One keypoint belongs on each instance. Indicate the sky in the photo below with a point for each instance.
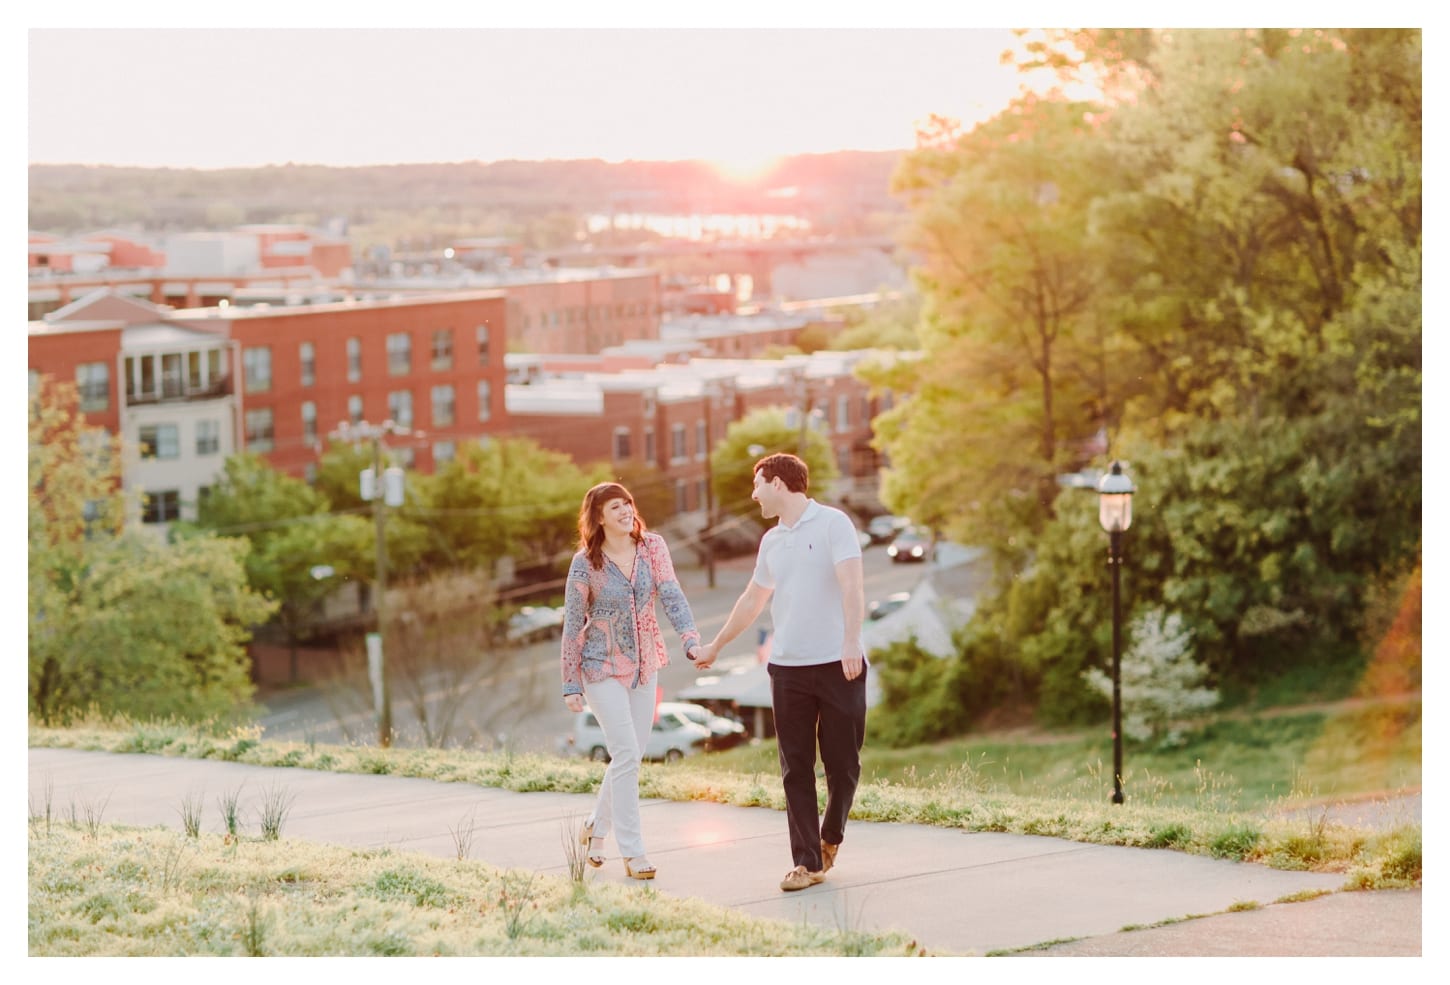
(248, 97)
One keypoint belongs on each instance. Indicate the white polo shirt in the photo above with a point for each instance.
(798, 563)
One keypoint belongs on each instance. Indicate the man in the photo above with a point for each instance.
(810, 561)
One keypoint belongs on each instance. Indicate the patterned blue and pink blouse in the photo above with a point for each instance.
(610, 627)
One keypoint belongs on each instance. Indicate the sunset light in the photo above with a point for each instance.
(744, 169)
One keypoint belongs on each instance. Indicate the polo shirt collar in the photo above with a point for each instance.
(812, 508)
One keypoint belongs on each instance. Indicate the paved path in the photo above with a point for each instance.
(955, 892)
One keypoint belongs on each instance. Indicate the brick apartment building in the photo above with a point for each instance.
(184, 389)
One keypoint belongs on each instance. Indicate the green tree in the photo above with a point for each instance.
(500, 497)
(124, 622)
(1255, 229)
(764, 432)
(888, 325)
(292, 536)
(1012, 384)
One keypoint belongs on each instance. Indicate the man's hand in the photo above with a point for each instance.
(574, 702)
(852, 665)
(705, 656)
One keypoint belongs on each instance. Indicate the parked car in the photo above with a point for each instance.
(535, 622)
(725, 733)
(912, 544)
(884, 607)
(672, 737)
(884, 528)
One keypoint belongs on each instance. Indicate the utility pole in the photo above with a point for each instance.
(709, 486)
(384, 489)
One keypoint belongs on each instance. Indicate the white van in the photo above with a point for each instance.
(672, 737)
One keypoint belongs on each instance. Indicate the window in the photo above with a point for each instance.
(481, 335)
(309, 473)
(405, 457)
(94, 382)
(259, 429)
(649, 445)
(162, 507)
(442, 406)
(355, 409)
(678, 451)
(203, 370)
(208, 437)
(160, 441)
(307, 355)
(443, 349)
(171, 374)
(400, 407)
(354, 360)
(621, 444)
(309, 422)
(400, 354)
(443, 452)
(257, 367)
(843, 413)
(682, 495)
(485, 395)
(702, 440)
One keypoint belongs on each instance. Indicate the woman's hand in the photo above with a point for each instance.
(574, 702)
(705, 656)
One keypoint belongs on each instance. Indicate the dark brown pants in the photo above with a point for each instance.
(816, 704)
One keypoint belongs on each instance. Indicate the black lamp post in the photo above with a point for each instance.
(1115, 513)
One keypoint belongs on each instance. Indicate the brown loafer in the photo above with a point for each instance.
(800, 878)
(828, 856)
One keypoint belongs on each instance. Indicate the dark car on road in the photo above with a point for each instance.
(912, 544)
(882, 529)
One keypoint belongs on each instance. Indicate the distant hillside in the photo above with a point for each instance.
(484, 197)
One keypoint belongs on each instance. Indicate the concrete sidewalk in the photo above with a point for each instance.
(954, 892)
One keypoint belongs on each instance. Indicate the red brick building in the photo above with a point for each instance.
(433, 363)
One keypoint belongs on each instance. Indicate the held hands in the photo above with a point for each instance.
(574, 702)
(705, 655)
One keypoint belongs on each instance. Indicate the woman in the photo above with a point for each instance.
(611, 651)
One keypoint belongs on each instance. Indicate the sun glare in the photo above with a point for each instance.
(744, 169)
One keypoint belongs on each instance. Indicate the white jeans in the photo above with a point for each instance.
(626, 715)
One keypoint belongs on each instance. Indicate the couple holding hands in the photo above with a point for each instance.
(808, 567)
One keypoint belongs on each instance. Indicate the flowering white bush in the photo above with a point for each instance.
(1161, 682)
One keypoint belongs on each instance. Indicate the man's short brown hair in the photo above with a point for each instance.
(787, 468)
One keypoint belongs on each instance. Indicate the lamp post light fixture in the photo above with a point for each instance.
(1115, 513)
(384, 487)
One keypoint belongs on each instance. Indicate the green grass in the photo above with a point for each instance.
(1248, 788)
(1238, 764)
(1242, 789)
(155, 892)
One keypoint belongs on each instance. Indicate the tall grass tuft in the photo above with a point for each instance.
(45, 814)
(254, 929)
(91, 815)
(575, 852)
(463, 836)
(276, 803)
(191, 806)
(516, 901)
(231, 813)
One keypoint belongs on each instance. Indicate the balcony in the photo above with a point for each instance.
(175, 390)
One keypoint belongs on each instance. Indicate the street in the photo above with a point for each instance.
(521, 706)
